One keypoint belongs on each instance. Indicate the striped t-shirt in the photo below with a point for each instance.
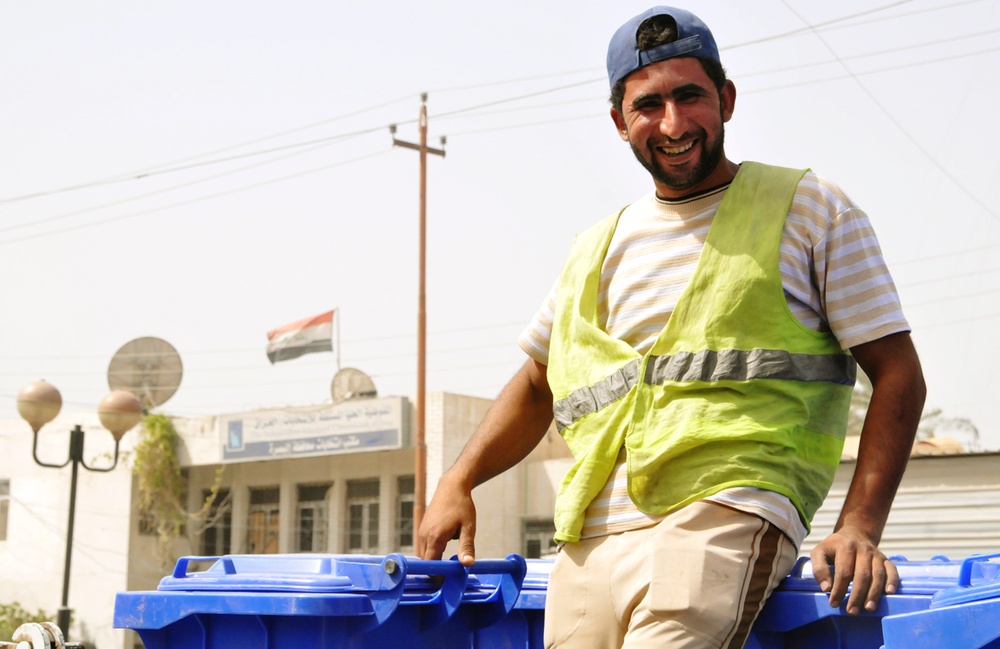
(834, 279)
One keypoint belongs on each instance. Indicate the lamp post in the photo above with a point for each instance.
(39, 403)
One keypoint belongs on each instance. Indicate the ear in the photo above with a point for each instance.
(620, 124)
(728, 100)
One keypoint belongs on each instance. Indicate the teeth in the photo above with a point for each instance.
(676, 149)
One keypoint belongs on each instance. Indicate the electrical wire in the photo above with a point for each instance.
(944, 255)
(199, 199)
(871, 96)
(182, 164)
(438, 332)
(157, 192)
(812, 28)
(951, 298)
(179, 164)
(952, 323)
(493, 84)
(472, 110)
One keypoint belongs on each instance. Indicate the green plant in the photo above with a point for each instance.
(162, 486)
(14, 615)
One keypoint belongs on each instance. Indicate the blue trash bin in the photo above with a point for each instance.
(329, 601)
(524, 625)
(798, 614)
(965, 616)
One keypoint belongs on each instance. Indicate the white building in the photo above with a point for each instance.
(340, 479)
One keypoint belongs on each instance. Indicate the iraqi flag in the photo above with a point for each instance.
(304, 336)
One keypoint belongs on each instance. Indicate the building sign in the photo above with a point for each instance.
(347, 427)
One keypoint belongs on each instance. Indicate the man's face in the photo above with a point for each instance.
(673, 118)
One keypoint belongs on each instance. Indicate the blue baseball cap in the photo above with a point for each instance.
(693, 39)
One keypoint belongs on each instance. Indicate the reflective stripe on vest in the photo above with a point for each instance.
(706, 366)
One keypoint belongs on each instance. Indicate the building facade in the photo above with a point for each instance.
(332, 478)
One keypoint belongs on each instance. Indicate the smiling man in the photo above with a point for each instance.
(698, 353)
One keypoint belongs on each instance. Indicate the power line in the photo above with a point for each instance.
(944, 255)
(854, 75)
(492, 84)
(143, 173)
(797, 84)
(316, 143)
(950, 298)
(951, 323)
(812, 28)
(950, 278)
(881, 53)
(892, 119)
(352, 359)
(507, 100)
(897, 16)
(438, 332)
(166, 170)
(557, 120)
(199, 199)
(164, 190)
(163, 169)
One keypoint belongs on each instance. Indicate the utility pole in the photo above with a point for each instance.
(420, 468)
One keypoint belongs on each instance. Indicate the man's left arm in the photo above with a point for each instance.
(851, 553)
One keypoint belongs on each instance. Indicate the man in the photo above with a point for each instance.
(694, 355)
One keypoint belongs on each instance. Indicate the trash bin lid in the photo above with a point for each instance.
(369, 588)
(915, 577)
(284, 573)
(979, 579)
(536, 585)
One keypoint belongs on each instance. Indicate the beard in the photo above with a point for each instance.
(681, 179)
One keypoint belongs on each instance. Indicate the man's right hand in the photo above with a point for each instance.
(451, 515)
(513, 426)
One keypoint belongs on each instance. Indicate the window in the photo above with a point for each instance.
(362, 516)
(312, 519)
(538, 539)
(404, 513)
(216, 539)
(263, 520)
(4, 507)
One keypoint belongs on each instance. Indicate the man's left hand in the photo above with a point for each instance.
(847, 556)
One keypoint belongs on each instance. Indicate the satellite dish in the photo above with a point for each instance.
(349, 384)
(150, 368)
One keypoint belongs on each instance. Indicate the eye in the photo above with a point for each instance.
(645, 105)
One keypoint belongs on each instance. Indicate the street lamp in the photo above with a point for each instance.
(39, 403)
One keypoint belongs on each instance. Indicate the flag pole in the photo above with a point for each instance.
(336, 317)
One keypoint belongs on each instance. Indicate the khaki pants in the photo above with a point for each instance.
(696, 580)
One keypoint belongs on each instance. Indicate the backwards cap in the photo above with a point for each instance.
(693, 39)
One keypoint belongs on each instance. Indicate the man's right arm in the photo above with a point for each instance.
(513, 426)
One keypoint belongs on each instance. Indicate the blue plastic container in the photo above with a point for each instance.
(329, 601)
(524, 625)
(966, 616)
(798, 614)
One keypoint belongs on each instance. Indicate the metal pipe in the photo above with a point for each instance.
(75, 456)
(420, 468)
(420, 443)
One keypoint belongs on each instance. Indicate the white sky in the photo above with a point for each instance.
(897, 104)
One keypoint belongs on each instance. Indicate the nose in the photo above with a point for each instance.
(673, 124)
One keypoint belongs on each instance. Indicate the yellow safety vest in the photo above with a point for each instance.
(734, 392)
